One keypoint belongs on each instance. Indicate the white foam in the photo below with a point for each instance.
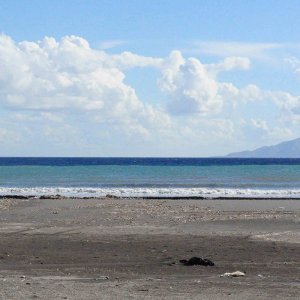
(152, 192)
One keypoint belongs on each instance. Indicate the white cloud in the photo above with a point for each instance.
(66, 91)
(261, 124)
(104, 45)
(224, 49)
(294, 62)
(69, 76)
(193, 87)
(37, 117)
(230, 63)
(271, 131)
(218, 128)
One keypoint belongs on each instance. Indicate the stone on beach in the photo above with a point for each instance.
(197, 261)
(233, 274)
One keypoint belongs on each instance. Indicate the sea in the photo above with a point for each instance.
(151, 177)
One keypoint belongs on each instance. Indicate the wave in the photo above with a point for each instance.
(152, 192)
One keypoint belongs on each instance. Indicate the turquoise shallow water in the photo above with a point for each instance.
(249, 176)
(134, 176)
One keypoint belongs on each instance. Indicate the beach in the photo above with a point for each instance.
(149, 150)
(114, 248)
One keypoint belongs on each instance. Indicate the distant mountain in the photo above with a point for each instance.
(289, 149)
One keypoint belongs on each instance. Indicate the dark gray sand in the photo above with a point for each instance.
(130, 249)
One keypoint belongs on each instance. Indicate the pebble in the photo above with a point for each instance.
(234, 274)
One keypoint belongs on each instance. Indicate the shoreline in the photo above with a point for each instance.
(58, 196)
(116, 248)
(151, 192)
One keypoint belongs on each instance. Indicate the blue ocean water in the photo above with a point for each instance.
(198, 177)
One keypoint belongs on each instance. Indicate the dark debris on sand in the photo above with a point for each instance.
(197, 261)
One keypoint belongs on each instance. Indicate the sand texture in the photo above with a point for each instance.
(130, 249)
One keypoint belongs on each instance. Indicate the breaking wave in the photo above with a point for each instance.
(152, 192)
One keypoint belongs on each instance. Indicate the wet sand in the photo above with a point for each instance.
(130, 248)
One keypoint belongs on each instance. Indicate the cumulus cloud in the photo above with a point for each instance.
(230, 63)
(190, 86)
(193, 87)
(53, 75)
(64, 90)
(68, 76)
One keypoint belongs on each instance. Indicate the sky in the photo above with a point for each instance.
(147, 78)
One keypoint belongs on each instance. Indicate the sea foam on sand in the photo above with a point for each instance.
(152, 192)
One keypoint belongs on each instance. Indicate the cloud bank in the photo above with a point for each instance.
(68, 89)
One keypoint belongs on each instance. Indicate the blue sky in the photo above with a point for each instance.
(147, 78)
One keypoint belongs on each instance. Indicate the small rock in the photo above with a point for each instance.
(197, 261)
(233, 274)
